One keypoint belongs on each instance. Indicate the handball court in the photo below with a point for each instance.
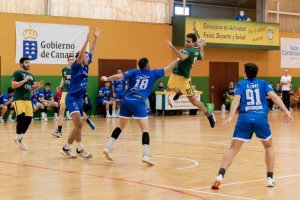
(187, 154)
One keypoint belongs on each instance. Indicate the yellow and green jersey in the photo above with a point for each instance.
(23, 92)
(184, 67)
(66, 79)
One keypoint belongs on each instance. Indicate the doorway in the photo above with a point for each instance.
(220, 74)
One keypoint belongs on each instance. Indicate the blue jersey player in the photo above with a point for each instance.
(251, 94)
(79, 80)
(118, 88)
(133, 104)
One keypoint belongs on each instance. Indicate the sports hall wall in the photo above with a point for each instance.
(132, 40)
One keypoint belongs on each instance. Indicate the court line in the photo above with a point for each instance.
(250, 181)
(2, 174)
(195, 163)
(167, 188)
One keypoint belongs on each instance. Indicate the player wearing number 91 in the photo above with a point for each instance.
(133, 105)
(251, 94)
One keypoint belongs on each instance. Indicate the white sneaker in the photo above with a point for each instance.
(45, 119)
(108, 116)
(21, 144)
(148, 160)
(114, 116)
(84, 154)
(55, 118)
(69, 118)
(11, 120)
(270, 182)
(107, 154)
(2, 121)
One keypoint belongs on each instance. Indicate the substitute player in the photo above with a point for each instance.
(180, 79)
(251, 94)
(118, 88)
(133, 105)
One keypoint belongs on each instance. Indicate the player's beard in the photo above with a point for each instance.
(26, 68)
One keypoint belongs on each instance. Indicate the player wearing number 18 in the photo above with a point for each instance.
(133, 104)
(251, 94)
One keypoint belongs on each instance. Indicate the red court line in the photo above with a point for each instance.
(111, 178)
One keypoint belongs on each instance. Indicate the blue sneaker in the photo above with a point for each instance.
(91, 124)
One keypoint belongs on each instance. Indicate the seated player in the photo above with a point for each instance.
(105, 98)
(46, 98)
(6, 103)
(118, 88)
(35, 102)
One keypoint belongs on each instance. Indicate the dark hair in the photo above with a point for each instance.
(10, 90)
(70, 56)
(48, 84)
(77, 54)
(23, 59)
(193, 36)
(143, 62)
(251, 70)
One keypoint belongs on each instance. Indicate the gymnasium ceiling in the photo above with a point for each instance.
(250, 4)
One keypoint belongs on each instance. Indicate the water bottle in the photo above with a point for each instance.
(223, 108)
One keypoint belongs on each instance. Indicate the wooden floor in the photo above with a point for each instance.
(187, 154)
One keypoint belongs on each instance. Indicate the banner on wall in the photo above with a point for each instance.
(48, 43)
(290, 53)
(227, 33)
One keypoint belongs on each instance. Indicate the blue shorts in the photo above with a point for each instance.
(133, 107)
(248, 124)
(119, 95)
(74, 105)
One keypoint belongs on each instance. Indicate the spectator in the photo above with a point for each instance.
(242, 17)
(105, 99)
(6, 103)
(118, 88)
(285, 83)
(58, 94)
(228, 95)
(46, 98)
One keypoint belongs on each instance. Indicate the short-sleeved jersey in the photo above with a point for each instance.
(253, 95)
(79, 78)
(119, 85)
(141, 81)
(24, 91)
(1, 99)
(107, 93)
(45, 95)
(66, 75)
(35, 96)
(184, 67)
(6, 97)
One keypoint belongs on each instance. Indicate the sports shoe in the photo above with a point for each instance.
(216, 184)
(91, 124)
(270, 182)
(67, 152)
(55, 118)
(21, 144)
(177, 95)
(212, 120)
(148, 160)
(57, 134)
(11, 120)
(84, 154)
(108, 116)
(107, 154)
(114, 116)
(2, 121)
(45, 119)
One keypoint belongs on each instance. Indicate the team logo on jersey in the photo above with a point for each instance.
(30, 47)
(270, 34)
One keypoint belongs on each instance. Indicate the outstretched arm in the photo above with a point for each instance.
(82, 51)
(180, 55)
(200, 46)
(96, 36)
(277, 100)
(234, 105)
(171, 66)
(112, 77)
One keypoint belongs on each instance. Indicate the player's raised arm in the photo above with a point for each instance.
(180, 55)
(171, 66)
(112, 77)
(201, 44)
(82, 51)
(96, 36)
